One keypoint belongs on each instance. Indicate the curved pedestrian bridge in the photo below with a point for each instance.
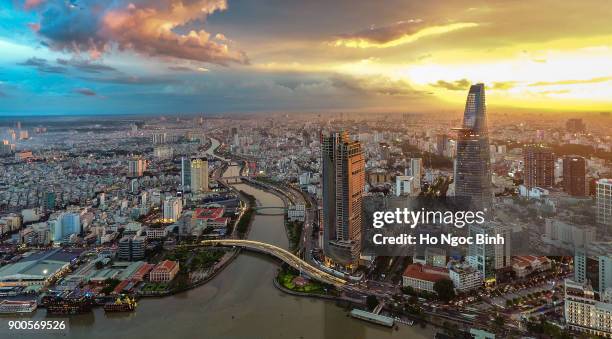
(281, 254)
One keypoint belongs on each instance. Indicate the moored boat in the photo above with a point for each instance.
(126, 304)
(11, 307)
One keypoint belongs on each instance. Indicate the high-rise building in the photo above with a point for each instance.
(441, 141)
(539, 166)
(594, 267)
(574, 176)
(136, 167)
(488, 258)
(343, 181)
(173, 207)
(472, 174)
(584, 313)
(65, 225)
(199, 175)
(185, 174)
(575, 125)
(416, 170)
(159, 138)
(603, 195)
(132, 248)
(49, 201)
(72, 223)
(102, 199)
(134, 186)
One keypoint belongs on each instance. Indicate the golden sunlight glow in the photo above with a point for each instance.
(358, 42)
(579, 79)
(560, 74)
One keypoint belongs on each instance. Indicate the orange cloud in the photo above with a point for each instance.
(153, 28)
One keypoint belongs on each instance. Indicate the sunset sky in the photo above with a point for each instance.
(215, 56)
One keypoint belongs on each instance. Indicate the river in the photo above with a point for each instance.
(240, 302)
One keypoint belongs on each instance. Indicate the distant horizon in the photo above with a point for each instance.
(490, 112)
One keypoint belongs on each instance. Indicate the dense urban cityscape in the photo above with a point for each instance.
(103, 212)
(305, 169)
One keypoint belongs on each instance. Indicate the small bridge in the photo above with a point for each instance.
(232, 180)
(270, 210)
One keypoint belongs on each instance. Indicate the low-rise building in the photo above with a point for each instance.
(211, 216)
(165, 271)
(423, 277)
(465, 278)
(524, 265)
(37, 268)
(156, 233)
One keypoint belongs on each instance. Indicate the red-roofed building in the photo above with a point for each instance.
(210, 217)
(121, 286)
(422, 277)
(142, 272)
(165, 271)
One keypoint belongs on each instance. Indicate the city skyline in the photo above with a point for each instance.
(324, 169)
(164, 57)
(98, 213)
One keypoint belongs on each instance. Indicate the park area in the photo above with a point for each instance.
(291, 280)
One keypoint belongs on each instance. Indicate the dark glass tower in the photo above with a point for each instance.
(473, 164)
(539, 166)
(343, 178)
(186, 174)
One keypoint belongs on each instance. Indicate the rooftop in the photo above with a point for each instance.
(40, 265)
(166, 265)
(426, 272)
(209, 213)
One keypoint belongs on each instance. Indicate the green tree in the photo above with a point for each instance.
(445, 289)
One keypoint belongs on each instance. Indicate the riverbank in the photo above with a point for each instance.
(240, 302)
